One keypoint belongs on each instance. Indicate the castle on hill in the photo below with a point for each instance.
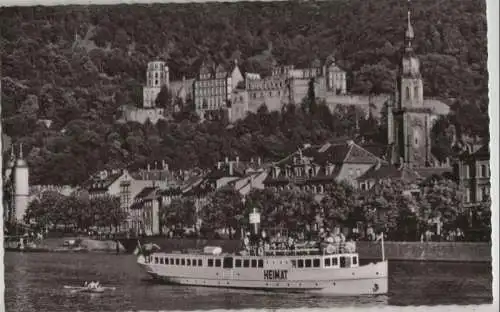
(224, 88)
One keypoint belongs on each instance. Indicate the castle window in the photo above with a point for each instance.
(415, 94)
(408, 93)
(484, 171)
(467, 195)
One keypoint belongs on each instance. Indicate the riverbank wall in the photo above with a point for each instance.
(396, 251)
(58, 245)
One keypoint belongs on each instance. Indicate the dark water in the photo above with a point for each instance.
(34, 282)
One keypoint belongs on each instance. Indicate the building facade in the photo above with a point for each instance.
(474, 175)
(213, 88)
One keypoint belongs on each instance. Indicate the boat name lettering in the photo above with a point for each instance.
(275, 274)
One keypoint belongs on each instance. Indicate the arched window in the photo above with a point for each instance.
(416, 92)
(408, 96)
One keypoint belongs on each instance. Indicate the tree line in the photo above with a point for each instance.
(388, 207)
(76, 212)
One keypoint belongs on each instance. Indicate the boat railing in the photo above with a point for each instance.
(324, 249)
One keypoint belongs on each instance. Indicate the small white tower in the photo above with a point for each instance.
(21, 187)
(157, 76)
(8, 181)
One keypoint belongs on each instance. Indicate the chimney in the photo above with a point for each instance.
(231, 168)
(227, 160)
(237, 159)
(259, 161)
(219, 165)
(149, 167)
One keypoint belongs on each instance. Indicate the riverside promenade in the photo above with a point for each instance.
(396, 251)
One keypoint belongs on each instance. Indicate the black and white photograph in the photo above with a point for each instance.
(249, 155)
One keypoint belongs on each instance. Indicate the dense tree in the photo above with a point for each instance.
(52, 209)
(81, 64)
(225, 210)
(181, 212)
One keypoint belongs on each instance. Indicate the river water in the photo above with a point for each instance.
(35, 282)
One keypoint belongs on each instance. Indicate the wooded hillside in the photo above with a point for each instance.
(76, 65)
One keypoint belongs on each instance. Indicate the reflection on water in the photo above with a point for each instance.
(35, 282)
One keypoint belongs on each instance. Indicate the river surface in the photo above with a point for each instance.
(35, 282)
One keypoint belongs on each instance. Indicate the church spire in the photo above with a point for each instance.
(409, 35)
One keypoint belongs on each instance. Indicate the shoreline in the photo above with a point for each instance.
(479, 252)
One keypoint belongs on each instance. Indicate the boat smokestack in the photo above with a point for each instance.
(255, 221)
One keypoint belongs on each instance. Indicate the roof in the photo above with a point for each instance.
(153, 175)
(340, 153)
(388, 171)
(147, 193)
(438, 107)
(482, 152)
(97, 183)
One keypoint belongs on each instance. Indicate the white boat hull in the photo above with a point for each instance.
(370, 279)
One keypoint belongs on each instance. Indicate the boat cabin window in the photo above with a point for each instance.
(183, 261)
(328, 262)
(228, 263)
(294, 263)
(188, 262)
(261, 263)
(200, 262)
(193, 262)
(210, 262)
(254, 263)
(156, 259)
(171, 260)
(343, 262)
(354, 260)
(162, 260)
(246, 263)
(308, 263)
(316, 263)
(237, 263)
(218, 263)
(177, 261)
(300, 263)
(335, 261)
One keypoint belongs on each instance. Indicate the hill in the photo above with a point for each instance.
(76, 65)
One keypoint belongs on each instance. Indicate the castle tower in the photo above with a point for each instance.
(409, 131)
(21, 187)
(157, 76)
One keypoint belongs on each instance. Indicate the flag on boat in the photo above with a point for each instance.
(138, 248)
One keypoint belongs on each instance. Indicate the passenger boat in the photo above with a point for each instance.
(328, 268)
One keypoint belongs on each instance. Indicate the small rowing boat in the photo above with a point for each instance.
(86, 289)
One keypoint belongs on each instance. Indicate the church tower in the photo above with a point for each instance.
(21, 187)
(408, 118)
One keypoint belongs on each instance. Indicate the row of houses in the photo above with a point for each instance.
(311, 168)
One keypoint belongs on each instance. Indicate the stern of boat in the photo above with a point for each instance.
(370, 279)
